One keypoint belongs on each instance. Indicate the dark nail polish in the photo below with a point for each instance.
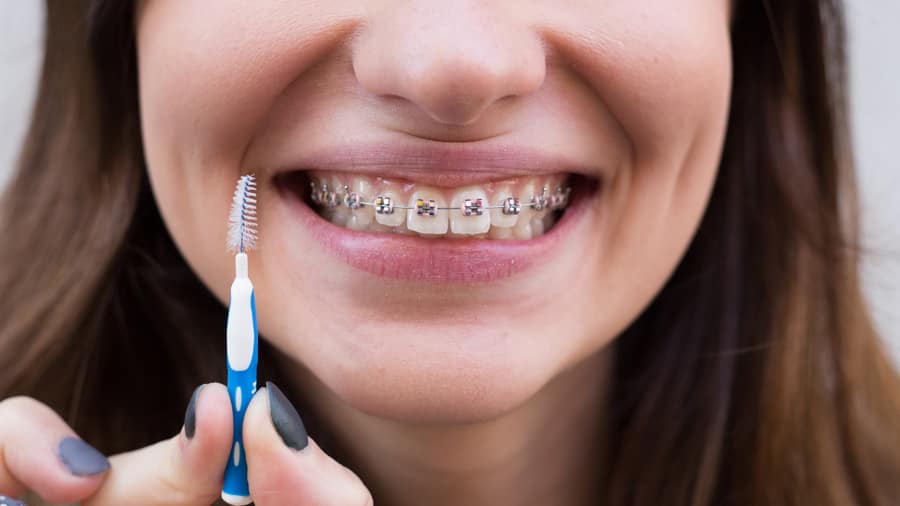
(285, 418)
(190, 414)
(8, 501)
(81, 458)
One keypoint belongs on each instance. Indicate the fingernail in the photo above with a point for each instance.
(190, 414)
(8, 501)
(285, 418)
(81, 458)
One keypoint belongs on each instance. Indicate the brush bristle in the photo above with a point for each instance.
(242, 220)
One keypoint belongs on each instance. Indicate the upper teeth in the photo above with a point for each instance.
(384, 204)
(519, 208)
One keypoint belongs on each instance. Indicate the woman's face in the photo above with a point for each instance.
(445, 317)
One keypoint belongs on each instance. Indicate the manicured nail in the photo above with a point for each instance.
(81, 458)
(190, 414)
(285, 418)
(8, 501)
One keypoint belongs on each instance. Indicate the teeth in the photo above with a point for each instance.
(378, 227)
(354, 193)
(522, 226)
(560, 197)
(355, 222)
(395, 218)
(512, 209)
(471, 218)
(537, 226)
(540, 199)
(522, 230)
(500, 233)
(340, 213)
(423, 216)
(498, 217)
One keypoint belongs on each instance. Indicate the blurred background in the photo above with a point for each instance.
(875, 99)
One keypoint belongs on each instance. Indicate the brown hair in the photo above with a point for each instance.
(754, 378)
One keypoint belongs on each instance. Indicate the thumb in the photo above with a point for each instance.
(285, 466)
(186, 469)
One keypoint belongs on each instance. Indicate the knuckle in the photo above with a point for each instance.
(18, 404)
(169, 485)
(177, 492)
(16, 412)
(364, 498)
(178, 488)
(360, 494)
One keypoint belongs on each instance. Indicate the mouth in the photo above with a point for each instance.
(517, 209)
(396, 225)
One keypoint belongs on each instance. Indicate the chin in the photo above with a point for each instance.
(443, 381)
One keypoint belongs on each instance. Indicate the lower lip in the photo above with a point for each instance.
(414, 258)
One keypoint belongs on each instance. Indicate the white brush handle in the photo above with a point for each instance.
(242, 342)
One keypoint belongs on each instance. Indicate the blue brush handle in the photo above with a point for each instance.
(242, 359)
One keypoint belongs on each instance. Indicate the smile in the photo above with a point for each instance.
(490, 211)
(395, 224)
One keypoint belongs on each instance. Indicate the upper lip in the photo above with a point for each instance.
(440, 164)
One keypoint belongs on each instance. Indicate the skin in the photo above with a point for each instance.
(504, 401)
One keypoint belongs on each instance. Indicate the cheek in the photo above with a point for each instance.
(219, 69)
(207, 78)
(664, 74)
(675, 111)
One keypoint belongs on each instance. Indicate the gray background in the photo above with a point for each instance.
(875, 95)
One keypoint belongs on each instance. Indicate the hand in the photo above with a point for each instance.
(39, 452)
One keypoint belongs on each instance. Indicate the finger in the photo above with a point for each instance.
(285, 466)
(41, 453)
(181, 470)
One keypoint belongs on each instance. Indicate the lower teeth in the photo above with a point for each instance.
(531, 227)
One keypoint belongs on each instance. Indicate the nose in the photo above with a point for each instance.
(453, 60)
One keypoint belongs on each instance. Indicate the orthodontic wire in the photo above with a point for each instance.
(544, 197)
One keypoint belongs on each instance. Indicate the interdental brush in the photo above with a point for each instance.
(241, 335)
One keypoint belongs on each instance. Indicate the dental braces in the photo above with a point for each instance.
(383, 204)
